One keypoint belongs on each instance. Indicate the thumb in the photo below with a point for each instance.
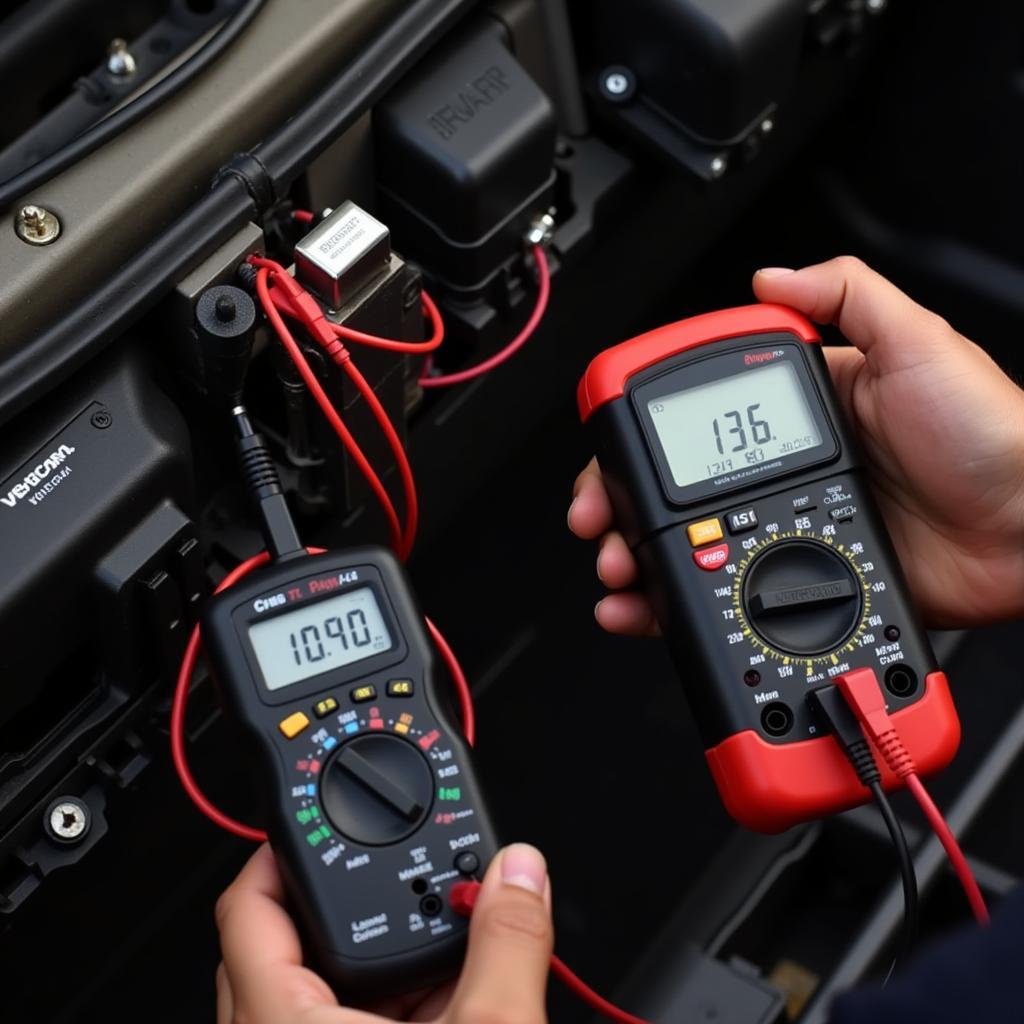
(511, 937)
(892, 330)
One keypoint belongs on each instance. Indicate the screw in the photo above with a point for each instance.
(67, 820)
(120, 62)
(892, 633)
(101, 419)
(752, 677)
(617, 84)
(36, 225)
(718, 166)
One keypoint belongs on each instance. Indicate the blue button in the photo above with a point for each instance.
(352, 727)
(330, 743)
(311, 789)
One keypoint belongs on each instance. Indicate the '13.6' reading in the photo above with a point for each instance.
(759, 430)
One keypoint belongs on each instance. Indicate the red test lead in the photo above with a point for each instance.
(861, 690)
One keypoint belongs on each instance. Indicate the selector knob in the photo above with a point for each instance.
(376, 790)
(802, 598)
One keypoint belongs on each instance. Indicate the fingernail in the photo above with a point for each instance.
(597, 609)
(524, 866)
(568, 515)
(775, 271)
(600, 575)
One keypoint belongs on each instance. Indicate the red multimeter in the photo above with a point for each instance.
(742, 494)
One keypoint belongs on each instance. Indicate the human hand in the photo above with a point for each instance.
(262, 979)
(942, 428)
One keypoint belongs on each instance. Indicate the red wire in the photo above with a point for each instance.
(956, 856)
(541, 305)
(583, 991)
(346, 438)
(392, 344)
(303, 216)
(461, 684)
(863, 693)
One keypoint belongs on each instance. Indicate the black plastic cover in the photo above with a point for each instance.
(714, 66)
(465, 156)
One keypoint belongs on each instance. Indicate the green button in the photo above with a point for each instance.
(446, 793)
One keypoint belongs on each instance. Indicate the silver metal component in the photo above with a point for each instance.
(718, 166)
(767, 126)
(876, 6)
(616, 83)
(542, 228)
(343, 254)
(120, 62)
(68, 820)
(36, 225)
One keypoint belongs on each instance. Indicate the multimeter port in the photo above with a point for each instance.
(776, 718)
(900, 680)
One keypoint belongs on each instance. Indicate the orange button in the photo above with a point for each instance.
(712, 558)
(293, 724)
(704, 532)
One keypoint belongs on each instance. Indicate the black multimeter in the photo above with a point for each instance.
(740, 489)
(374, 808)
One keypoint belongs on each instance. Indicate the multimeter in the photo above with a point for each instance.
(742, 493)
(375, 813)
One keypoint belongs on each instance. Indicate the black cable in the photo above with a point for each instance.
(133, 111)
(908, 876)
(827, 703)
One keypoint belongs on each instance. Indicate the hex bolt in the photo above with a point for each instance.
(67, 820)
(120, 62)
(36, 225)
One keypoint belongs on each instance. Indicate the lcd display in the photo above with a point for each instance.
(715, 429)
(318, 637)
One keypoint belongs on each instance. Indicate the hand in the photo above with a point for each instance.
(942, 429)
(504, 977)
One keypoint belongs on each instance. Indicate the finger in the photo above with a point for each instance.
(629, 613)
(844, 364)
(510, 941)
(225, 1000)
(892, 330)
(261, 947)
(590, 513)
(616, 566)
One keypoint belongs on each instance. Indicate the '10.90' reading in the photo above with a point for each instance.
(308, 642)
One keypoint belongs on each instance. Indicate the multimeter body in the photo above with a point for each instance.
(741, 492)
(374, 808)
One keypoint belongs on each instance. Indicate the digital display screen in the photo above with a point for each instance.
(320, 636)
(734, 423)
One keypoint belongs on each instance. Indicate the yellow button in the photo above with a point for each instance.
(324, 707)
(704, 532)
(293, 724)
(361, 694)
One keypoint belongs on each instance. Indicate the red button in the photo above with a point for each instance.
(712, 558)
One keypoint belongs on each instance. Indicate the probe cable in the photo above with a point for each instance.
(524, 335)
(861, 691)
(331, 414)
(829, 704)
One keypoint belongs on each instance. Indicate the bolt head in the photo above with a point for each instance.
(36, 225)
(617, 84)
(120, 62)
(67, 820)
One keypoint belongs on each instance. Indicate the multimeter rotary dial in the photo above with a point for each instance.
(377, 789)
(799, 597)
